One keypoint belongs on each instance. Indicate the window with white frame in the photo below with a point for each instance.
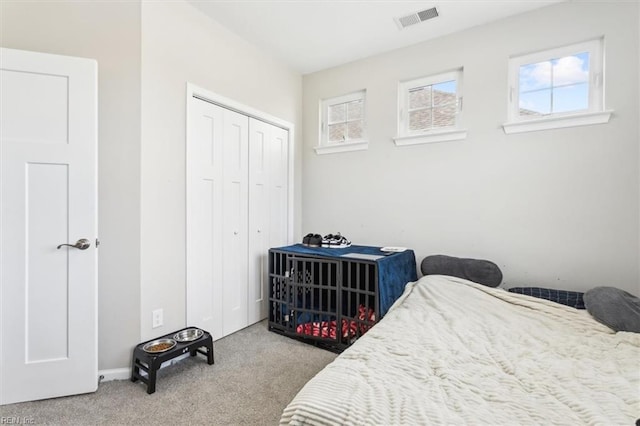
(429, 109)
(555, 88)
(343, 123)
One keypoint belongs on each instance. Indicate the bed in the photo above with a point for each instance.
(451, 351)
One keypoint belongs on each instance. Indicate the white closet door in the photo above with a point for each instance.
(268, 164)
(259, 137)
(204, 216)
(278, 189)
(217, 204)
(237, 208)
(235, 217)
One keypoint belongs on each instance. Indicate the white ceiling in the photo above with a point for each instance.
(311, 35)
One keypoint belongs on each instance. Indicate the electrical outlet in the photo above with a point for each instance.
(157, 318)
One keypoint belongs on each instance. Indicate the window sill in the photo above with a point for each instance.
(342, 147)
(431, 137)
(557, 122)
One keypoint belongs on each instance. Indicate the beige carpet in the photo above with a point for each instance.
(255, 375)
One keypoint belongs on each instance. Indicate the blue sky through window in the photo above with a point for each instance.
(446, 86)
(556, 85)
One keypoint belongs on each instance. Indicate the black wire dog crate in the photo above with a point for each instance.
(327, 300)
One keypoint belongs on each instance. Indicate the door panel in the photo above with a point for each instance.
(204, 244)
(47, 278)
(258, 240)
(204, 217)
(216, 218)
(44, 96)
(259, 145)
(279, 159)
(235, 205)
(268, 167)
(48, 309)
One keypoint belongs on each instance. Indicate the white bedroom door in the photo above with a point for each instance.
(48, 197)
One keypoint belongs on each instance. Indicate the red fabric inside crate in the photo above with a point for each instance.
(327, 329)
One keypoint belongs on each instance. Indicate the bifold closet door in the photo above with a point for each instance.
(235, 206)
(268, 165)
(216, 218)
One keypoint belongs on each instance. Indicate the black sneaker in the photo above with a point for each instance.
(335, 241)
(312, 240)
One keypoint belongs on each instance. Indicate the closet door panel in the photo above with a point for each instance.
(278, 188)
(260, 134)
(204, 216)
(235, 217)
(268, 197)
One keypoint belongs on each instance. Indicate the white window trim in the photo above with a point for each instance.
(594, 114)
(558, 122)
(442, 134)
(432, 137)
(341, 147)
(324, 147)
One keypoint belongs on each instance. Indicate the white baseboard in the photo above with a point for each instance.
(125, 373)
(114, 374)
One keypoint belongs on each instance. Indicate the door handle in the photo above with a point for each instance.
(81, 244)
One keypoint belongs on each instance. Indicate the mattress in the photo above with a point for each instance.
(450, 351)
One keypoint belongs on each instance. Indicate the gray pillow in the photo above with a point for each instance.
(614, 308)
(479, 271)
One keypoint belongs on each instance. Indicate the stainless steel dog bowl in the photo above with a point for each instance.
(159, 346)
(188, 335)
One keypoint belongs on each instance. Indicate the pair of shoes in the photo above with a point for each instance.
(312, 240)
(335, 241)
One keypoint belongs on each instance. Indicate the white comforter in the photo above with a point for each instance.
(453, 352)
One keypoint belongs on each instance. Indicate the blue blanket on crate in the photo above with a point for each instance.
(394, 270)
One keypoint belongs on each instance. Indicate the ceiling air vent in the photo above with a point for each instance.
(416, 18)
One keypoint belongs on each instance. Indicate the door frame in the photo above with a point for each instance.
(194, 91)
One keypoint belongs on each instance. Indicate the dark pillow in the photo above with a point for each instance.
(614, 308)
(479, 271)
(569, 298)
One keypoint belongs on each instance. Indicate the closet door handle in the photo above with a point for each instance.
(235, 232)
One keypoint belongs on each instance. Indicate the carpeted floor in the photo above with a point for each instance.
(255, 375)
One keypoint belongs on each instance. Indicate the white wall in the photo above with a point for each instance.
(180, 44)
(86, 29)
(555, 208)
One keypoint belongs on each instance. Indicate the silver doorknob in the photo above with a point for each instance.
(81, 244)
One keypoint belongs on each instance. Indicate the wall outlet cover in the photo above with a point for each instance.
(157, 320)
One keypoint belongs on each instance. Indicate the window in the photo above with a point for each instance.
(343, 124)
(429, 109)
(555, 88)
